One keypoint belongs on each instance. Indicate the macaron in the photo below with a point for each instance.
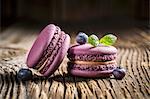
(48, 50)
(89, 61)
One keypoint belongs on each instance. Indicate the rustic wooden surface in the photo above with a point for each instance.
(133, 54)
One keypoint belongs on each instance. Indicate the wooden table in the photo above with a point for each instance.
(133, 54)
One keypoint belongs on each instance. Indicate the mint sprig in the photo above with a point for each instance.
(108, 40)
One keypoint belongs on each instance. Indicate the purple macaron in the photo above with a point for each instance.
(89, 61)
(48, 50)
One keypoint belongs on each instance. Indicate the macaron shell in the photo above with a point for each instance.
(59, 57)
(40, 45)
(92, 67)
(47, 54)
(51, 52)
(92, 74)
(89, 49)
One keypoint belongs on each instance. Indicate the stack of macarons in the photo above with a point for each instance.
(89, 61)
(91, 57)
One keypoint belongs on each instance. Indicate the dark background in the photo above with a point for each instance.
(76, 13)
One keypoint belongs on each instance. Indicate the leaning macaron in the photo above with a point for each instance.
(89, 61)
(48, 50)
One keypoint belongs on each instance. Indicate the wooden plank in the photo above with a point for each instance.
(133, 54)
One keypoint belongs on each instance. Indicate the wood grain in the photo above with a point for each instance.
(133, 54)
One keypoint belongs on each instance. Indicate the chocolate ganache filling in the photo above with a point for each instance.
(97, 57)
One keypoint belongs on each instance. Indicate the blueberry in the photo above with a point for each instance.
(81, 38)
(24, 74)
(119, 73)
